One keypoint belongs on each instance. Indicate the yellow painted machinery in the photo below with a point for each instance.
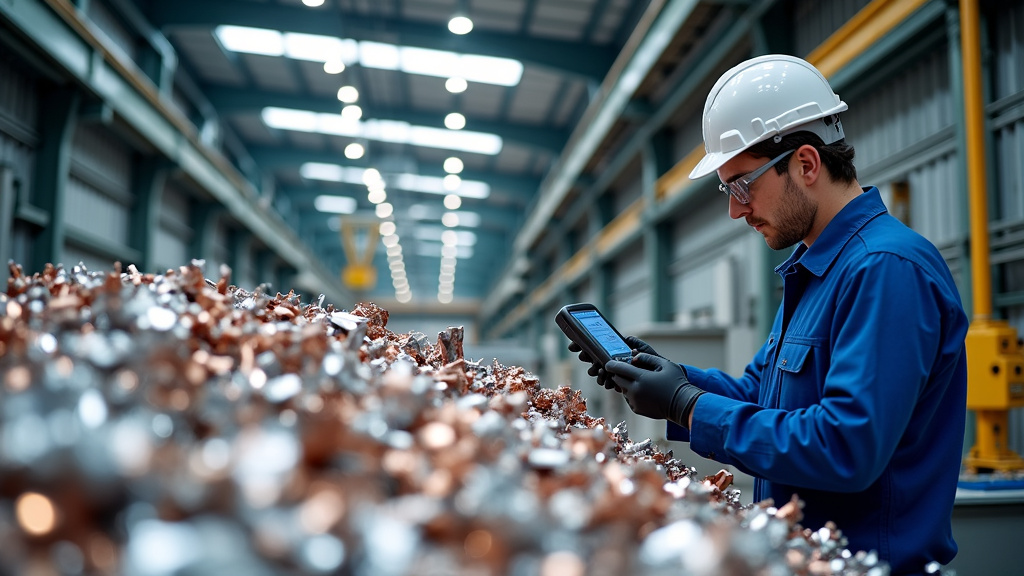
(995, 384)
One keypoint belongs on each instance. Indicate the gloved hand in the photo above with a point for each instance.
(595, 370)
(655, 387)
(598, 372)
(640, 346)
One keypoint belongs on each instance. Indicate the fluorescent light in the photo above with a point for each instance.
(335, 204)
(460, 25)
(317, 48)
(382, 130)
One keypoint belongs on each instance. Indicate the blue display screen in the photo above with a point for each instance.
(602, 332)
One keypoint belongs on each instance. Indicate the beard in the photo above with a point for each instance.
(794, 218)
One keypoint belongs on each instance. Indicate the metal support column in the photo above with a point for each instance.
(56, 131)
(148, 181)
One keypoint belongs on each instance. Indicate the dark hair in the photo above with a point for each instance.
(837, 157)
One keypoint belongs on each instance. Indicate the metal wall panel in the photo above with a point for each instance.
(92, 211)
(629, 302)
(1007, 210)
(19, 115)
(814, 21)
(99, 198)
(908, 109)
(174, 235)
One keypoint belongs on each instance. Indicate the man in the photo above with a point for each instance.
(856, 401)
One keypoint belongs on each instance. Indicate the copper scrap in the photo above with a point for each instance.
(270, 435)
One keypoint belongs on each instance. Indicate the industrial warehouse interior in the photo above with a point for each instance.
(284, 278)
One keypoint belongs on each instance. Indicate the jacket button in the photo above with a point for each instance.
(783, 361)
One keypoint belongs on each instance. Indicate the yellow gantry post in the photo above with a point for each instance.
(995, 383)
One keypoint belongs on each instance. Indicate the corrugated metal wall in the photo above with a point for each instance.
(19, 116)
(1007, 117)
(98, 199)
(174, 235)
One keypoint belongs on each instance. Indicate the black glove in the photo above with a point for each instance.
(655, 387)
(640, 346)
(595, 370)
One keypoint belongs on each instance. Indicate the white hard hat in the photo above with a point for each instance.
(764, 97)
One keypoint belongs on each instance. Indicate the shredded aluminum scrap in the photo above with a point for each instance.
(157, 425)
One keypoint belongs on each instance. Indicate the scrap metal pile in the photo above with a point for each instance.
(157, 425)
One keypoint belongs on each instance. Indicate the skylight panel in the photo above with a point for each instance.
(378, 55)
(404, 181)
(393, 131)
(251, 40)
(312, 47)
(412, 60)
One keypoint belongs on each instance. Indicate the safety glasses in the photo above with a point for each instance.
(740, 187)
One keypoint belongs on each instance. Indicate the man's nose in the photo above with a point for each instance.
(736, 209)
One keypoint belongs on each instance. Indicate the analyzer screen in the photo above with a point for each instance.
(602, 332)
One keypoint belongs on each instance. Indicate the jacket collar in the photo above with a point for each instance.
(820, 256)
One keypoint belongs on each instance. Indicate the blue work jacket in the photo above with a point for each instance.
(856, 402)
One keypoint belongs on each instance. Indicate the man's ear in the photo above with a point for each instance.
(807, 163)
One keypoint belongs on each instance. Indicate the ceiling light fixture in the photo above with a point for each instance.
(455, 121)
(452, 201)
(453, 165)
(313, 3)
(334, 66)
(351, 113)
(452, 182)
(456, 85)
(460, 25)
(354, 151)
(348, 94)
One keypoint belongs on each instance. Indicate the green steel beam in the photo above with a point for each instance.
(588, 61)
(239, 100)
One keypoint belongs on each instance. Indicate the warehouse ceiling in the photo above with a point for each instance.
(353, 108)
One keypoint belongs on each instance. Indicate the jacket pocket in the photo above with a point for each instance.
(798, 386)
